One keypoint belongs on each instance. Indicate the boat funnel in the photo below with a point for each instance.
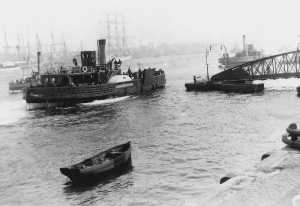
(245, 47)
(38, 61)
(101, 51)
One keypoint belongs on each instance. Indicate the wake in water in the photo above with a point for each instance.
(280, 84)
(105, 101)
(274, 181)
(11, 111)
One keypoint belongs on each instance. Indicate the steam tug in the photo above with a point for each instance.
(91, 81)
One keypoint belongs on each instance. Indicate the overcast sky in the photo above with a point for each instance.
(269, 24)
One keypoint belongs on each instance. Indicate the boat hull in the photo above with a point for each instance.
(78, 177)
(293, 144)
(69, 95)
(230, 87)
(80, 173)
(199, 86)
(235, 61)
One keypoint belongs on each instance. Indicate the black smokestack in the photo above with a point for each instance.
(101, 51)
(38, 61)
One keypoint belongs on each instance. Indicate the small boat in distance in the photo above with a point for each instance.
(249, 53)
(291, 138)
(292, 130)
(287, 139)
(20, 84)
(101, 165)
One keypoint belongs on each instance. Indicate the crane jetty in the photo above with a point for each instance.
(91, 81)
(229, 81)
(234, 86)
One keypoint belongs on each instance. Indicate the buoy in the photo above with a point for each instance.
(264, 156)
(224, 179)
(292, 126)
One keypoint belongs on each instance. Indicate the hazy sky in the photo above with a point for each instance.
(270, 24)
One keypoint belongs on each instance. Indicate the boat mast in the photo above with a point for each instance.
(6, 47)
(38, 61)
(117, 36)
(108, 35)
(52, 50)
(38, 43)
(206, 55)
(124, 38)
(245, 46)
(18, 47)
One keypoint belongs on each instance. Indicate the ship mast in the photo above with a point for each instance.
(18, 46)
(38, 43)
(6, 47)
(108, 36)
(117, 36)
(64, 48)
(245, 48)
(206, 55)
(52, 50)
(124, 38)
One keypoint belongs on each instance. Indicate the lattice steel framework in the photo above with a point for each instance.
(282, 65)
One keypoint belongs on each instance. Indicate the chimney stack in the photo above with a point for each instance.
(38, 61)
(101, 51)
(245, 47)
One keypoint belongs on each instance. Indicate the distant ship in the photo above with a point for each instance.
(91, 81)
(249, 53)
(12, 64)
(20, 84)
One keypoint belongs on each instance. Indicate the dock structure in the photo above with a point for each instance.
(284, 65)
(225, 86)
(239, 78)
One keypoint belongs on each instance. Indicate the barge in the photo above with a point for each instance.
(91, 81)
(225, 86)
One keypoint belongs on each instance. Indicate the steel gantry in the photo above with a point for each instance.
(284, 65)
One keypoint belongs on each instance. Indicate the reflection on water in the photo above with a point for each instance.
(115, 183)
(100, 183)
(183, 142)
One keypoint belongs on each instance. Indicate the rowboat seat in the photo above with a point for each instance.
(102, 163)
(88, 162)
(113, 154)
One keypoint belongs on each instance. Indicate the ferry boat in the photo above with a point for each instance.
(91, 81)
(249, 53)
(19, 84)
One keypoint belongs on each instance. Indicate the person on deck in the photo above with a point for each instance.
(129, 72)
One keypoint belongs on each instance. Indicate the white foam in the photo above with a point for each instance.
(296, 200)
(11, 111)
(105, 101)
(281, 84)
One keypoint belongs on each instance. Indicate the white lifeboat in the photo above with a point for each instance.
(119, 78)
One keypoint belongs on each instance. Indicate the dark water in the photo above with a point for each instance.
(182, 142)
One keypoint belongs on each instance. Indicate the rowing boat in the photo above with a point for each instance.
(104, 163)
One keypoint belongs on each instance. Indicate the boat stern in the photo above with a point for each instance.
(71, 173)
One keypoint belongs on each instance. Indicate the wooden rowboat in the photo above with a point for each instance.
(105, 163)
